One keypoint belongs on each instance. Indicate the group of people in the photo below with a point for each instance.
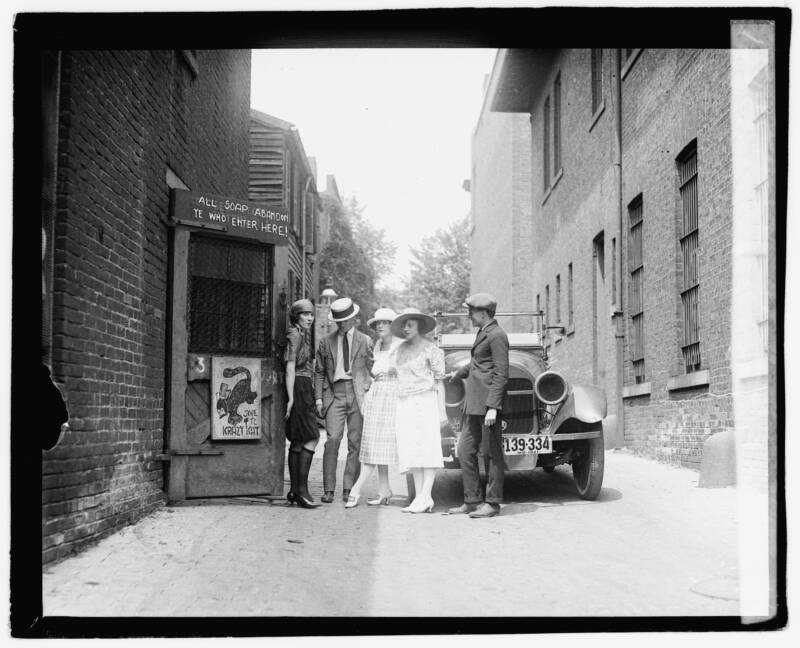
(390, 396)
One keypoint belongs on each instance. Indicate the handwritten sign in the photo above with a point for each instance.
(232, 216)
(235, 398)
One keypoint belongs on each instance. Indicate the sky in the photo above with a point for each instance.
(394, 127)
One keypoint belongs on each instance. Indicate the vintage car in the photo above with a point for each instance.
(547, 419)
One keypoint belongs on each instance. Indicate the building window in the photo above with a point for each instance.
(547, 305)
(292, 294)
(597, 79)
(614, 271)
(546, 144)
(687, 178)
(636, 265)
(230, 302)
(570, 321)
(557, 125)
(558, 299)
(538, 310)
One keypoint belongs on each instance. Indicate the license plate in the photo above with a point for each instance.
(514, 444)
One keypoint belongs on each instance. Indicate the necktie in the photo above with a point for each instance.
(346, 353)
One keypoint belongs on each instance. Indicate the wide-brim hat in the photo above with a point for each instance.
(382, 315)
(342, 309)
(426, 322)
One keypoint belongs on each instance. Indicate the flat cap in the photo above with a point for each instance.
(484, 301)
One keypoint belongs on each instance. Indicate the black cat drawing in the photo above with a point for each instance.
(230, 399)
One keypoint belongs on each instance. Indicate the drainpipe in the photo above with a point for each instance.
(618, 310)
(303, 235)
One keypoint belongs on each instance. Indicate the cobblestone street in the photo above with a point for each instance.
(650, 543)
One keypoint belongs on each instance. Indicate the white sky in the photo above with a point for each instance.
(394, 127)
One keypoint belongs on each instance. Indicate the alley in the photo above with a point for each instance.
(647, 546)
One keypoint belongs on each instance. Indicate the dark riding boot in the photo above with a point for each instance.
(294, 469)
(302, 496)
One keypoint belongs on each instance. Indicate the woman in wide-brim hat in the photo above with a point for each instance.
(378, 437)
(420, 369)
(302, 430)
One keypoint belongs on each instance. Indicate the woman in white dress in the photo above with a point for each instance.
(378, 440)
(420, 369)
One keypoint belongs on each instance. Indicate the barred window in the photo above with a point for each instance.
(557, 125)
(230, 300)
(558, 299)
(547, 305)
(636, 265)
(538, 309)
(687, 177)
(569, 296)
(546, 144)
(597, 79)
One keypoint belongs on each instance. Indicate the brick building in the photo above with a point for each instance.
(632, 232)
(500, 210)
(123, 128)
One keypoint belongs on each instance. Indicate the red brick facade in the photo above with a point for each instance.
(128, 121)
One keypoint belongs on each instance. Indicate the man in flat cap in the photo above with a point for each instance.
(341, 379)
(486, 377)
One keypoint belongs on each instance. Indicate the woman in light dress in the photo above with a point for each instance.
(378, 441)
(420, 369)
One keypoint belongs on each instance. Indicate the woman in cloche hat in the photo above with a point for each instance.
(420, 369)
(378, 439)
(302, 430)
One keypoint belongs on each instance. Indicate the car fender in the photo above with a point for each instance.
(585, 403)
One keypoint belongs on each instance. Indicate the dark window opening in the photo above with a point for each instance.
(636, 265)
(230, 300)
(597, 79)
(687, 177)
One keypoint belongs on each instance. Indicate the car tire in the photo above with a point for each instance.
(587, 471)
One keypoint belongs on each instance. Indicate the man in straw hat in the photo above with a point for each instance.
(341, 378)
(486, 377)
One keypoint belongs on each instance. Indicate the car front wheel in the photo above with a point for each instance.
(587, 469)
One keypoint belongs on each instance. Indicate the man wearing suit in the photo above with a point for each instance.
(486, 377)
(341, 378)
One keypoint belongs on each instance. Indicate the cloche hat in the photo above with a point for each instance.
(301, 306)
(426, 322)
(382, 315)
(342, 309)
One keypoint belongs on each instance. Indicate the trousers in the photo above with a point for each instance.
(468, 445)
(343, 409)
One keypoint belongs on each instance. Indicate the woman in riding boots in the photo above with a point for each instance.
(302, 430)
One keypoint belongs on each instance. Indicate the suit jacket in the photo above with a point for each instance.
(360, 367)
(487, 373)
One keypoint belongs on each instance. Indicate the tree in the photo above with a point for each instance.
(355, 257)
(440, 269)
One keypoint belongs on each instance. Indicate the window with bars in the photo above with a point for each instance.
(547, 305)
(569, 296)
(538, 308)
(230, 300)
(546, 144)
(597, 79)
(557, 125)
(636, 265)
(558, 299)
(689, 240)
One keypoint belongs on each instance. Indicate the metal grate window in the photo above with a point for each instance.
(557, 125)
(570, 313)
(538, 309)
(558, 299)
(636, 265)
(546, 144)
(597, 79)
(230, 301)
(687, 176)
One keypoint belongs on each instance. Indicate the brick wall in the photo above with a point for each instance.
(671, 97)
(578, 205)
(125, 118)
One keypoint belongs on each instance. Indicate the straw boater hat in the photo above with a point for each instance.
(382, 315)
(342, 309)
(426, 322)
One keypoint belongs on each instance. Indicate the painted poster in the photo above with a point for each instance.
(235, 398)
